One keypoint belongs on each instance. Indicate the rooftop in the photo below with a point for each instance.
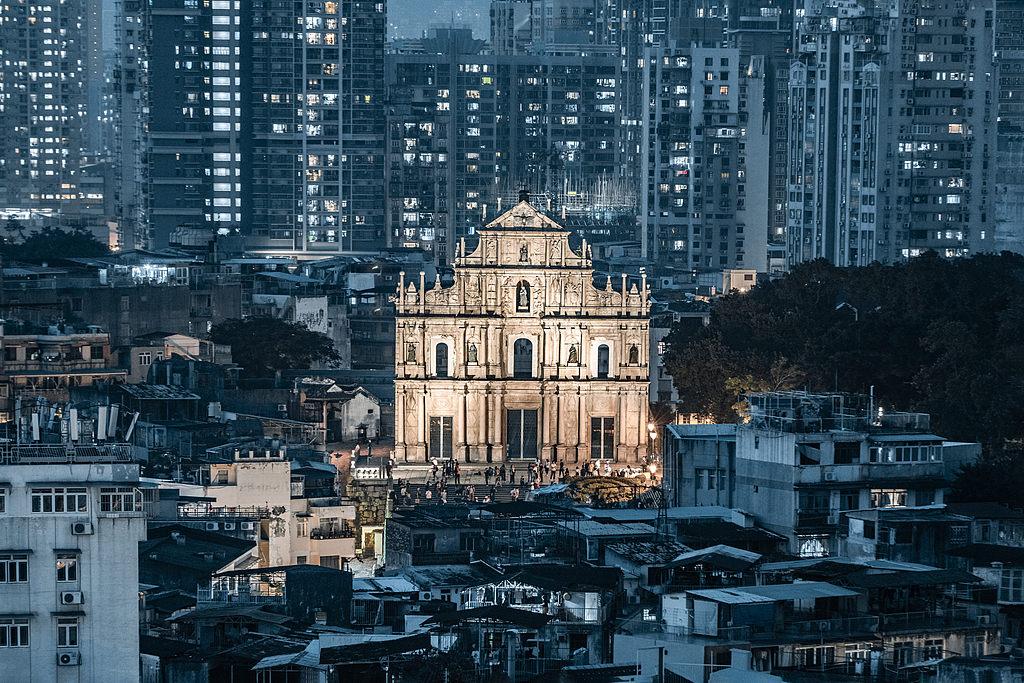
(649, 552)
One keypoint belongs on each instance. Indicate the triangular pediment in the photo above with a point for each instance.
(523, 216)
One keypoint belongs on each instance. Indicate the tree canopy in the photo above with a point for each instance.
(50, 243)
(937, 336)
(262, 345)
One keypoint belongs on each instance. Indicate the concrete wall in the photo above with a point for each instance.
(108, 576)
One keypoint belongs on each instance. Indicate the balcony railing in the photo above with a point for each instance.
(240, 597)
(63, 454)
(563, 613)
(321, 534)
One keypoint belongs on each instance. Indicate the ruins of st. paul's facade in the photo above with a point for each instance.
(522, 357)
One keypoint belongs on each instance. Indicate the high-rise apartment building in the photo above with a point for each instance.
(1009, 187)
(834, 167)
(267, 117)
(131, 103)
(703, 159)
(466, 131)
(941, 106)
(42, 104)
(893, 131)
(765, 29)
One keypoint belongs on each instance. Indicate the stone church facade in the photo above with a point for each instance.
(522, 357)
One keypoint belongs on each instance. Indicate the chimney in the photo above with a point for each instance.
(524, 195)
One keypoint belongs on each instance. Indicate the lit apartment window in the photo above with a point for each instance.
(13, 568)
(120, 499)
(67, 568)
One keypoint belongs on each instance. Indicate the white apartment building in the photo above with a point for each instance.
(70, 525)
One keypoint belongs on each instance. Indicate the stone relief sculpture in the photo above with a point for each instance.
(572, 294)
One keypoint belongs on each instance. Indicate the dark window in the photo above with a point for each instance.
(521, 428)
(441, 355)
(602, 437)
(423, 543)
(847, 452)
(602, 361)
(869, 529)
(440, 438)
(849, 499)
(522, 358)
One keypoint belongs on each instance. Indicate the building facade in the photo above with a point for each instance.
(800, 462)
(703, 207)
(42, 100)
(70, 527)
(522, 357)
(467, 130)
(288, 149)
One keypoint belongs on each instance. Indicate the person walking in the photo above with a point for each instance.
(458, 474)
(501, 474)
(487, 476)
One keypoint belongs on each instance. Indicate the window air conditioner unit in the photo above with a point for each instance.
(81, 528)
(71, 598)
(212, 526)
(282, 407)
(248, 526)
(229, 526)
(830, 476)
(832, 519)
(69, 658)
(425, 596)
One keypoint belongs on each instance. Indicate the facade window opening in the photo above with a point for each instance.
(522, 359)
(603, 356)
(441, 445)
(521, 428)
(441, 360)
(602, 438)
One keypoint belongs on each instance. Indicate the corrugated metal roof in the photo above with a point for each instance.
(729, 596)
(801, 590)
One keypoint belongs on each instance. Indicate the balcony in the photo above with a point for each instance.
(238, 596)
(57, 367)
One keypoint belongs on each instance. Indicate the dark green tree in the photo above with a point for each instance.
(49, 244)
(945, 337)
(262, 345)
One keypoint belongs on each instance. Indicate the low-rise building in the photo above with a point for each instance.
(798, 461)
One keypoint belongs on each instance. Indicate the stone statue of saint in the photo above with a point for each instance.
(523, 299)
(574, 355)
(524, 254)
(634, 355)
(471, 355)
(410, 356)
